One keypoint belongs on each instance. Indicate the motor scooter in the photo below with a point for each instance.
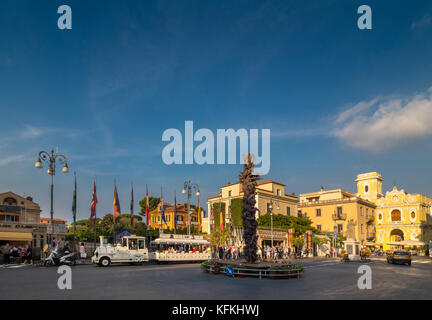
(55, 259)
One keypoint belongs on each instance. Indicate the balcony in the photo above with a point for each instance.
(11, 209)
(339, 216)
(370, 236)
(370, 219)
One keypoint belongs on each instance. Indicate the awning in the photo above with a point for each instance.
(16, 236)
(407, 243)
(181, 241)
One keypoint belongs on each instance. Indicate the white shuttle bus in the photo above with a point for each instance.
(179, 248)
(132, 249)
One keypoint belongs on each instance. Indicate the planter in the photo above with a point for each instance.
(216, 269)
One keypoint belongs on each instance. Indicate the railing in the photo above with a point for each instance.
(11, 209)
(314, 203)
(260, 273)
(339, 216)
(370, 219)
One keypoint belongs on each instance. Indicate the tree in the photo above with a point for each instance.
(320, 241)
(249, 183)
(220, 237)
(297, 241)
(300, 225)
(153, 203)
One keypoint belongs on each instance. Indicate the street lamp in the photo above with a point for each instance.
(271, 217)
(52, 158)
(187, 189)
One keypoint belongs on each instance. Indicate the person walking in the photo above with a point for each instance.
(221, 252)
(83, 254)
(6, 251)
(259, 253)
(27, 256)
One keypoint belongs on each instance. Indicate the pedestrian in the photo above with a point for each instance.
(27, 256)
(83, 254)
(221, 252)
(15, 253)
(6, 251)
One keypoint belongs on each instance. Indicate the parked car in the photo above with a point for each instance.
(401, 257)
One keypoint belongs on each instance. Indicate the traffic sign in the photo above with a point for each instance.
(229, 271)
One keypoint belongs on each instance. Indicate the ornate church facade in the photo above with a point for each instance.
(400, 217)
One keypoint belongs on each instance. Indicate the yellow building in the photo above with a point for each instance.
(400, 216)
(182, 217)
(332, 210)
(266, 191)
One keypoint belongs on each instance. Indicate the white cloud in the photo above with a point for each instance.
(302, 132)
(9, 159)
(392, 124)
(356, 109)
(33, 132)
(424, 21)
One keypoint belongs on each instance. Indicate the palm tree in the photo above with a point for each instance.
(248, 181)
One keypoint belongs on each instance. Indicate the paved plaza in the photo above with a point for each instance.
(323, 279)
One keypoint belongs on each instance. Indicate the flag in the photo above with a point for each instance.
(147, 208)
(199, 216)
(175, 211)
(230, 218)
(132, 206)
(116, 203)
(162, 211)
(94, 201)
(74, 200)
(221, 217)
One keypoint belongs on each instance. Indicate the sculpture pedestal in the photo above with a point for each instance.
(352, 248)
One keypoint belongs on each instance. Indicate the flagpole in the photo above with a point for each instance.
(161, 225)
(175, 213)
(131, 205)
(147, 218)
(94, 218)
(74, 213)
(114, 220)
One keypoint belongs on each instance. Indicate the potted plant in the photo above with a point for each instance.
(205, 266)
(216, 268)
(364, 254)
(344, 255)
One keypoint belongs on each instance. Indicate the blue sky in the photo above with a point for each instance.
(339, 101)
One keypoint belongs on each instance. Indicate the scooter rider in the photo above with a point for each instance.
(66, 248)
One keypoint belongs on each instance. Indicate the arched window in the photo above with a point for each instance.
(366, 189)
(396, 215)
(9, 202)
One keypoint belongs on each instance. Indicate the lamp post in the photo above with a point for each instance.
(271, 217)
(187, 189)
(52, 158)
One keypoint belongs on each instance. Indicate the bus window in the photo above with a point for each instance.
(132, 245)
(141, 244)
